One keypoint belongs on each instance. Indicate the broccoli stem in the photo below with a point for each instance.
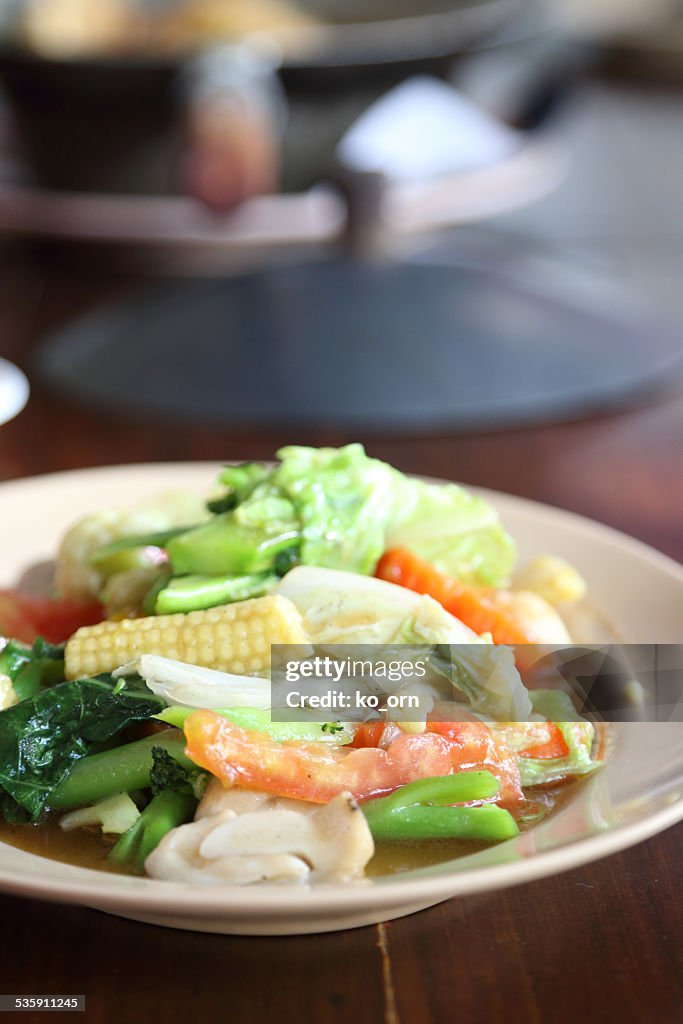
(192, 593)
(120, 770)
(163, 813)
(225, 547)
(160, 539)
(420, 810)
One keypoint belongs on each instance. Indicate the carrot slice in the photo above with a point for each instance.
(476, 607)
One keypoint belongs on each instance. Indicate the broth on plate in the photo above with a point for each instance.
(88, 848)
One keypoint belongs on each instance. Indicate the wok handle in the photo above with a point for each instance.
(234, 116)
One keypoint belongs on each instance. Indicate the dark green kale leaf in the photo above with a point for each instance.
(42, 737)
(32, 667)
(168, 774)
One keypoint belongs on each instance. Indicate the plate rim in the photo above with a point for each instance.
(214, 902)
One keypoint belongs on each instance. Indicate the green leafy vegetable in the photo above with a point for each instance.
(333, 728)
(241, 480)
(169, 773)
(32, 668)
(579, 761)
(225, 504)
(487, 675)
(456, 531)
(42, 737)
(554, 706)
(343, 500)
(352, 507)
(336, 508)
(286, 560)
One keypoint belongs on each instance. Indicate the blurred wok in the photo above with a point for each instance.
(354, 34)
(117, 123)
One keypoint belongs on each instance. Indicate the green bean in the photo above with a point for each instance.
(120, 770)
(459, 788)
(423, 810)
(488, 823)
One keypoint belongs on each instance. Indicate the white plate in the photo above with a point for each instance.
(638, 793)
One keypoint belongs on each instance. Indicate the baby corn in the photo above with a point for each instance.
(232, 638)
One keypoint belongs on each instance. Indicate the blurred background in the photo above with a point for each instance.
(449, 229)
(407, 218)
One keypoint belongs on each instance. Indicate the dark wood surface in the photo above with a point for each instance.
(602, 943)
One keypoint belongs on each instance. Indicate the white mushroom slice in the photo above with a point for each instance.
(218, 798)
(243, 837)
(177, 858)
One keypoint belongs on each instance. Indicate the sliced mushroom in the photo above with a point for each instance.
(218, 798)
(243, 837)
(178, 858)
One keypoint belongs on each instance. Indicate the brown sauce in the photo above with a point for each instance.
(84, 847)
(88, 848)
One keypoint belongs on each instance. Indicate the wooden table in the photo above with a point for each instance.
(602, 943)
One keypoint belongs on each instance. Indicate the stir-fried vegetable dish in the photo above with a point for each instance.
(136, 701)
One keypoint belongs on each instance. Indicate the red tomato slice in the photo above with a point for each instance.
(368, 734)
(25, 617)
(13, 622)
(555, 746)
(304, 771)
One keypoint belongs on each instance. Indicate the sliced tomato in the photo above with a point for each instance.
(481, 749)
(555, 746)
(309, 771)
(24, 617)
(13, 621)
(368, 734)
